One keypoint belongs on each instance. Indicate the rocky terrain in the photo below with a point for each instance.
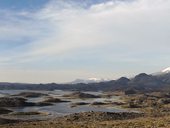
(7, 121)
(14, 102)
(20, 102)
(81, 117)
(98, 120)
(30, 94)
(101, 116)
(152, 110)
(78, 104)
(4, 111)
(81, 95)
(53, 100)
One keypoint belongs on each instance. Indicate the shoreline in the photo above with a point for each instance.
(149, 113)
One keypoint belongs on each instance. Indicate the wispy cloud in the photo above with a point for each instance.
(129, 29)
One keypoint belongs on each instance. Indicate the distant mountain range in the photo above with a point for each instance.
(140, 83)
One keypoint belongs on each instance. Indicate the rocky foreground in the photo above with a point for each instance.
(153, 112)
(101, 116)
(97, 120)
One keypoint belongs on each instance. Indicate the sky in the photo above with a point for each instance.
(43, 41)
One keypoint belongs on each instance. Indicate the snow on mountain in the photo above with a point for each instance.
(162, 72)
(89, 80)
(166, 70)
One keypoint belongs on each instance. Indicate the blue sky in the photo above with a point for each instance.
(61, 40)
(22, 4)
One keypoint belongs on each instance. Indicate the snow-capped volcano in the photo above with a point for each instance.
(162, 72)
(166, 70)
(89, 80)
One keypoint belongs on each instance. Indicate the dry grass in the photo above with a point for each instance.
(143, 122)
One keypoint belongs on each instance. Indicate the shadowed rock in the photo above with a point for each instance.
(81, 95)
(41, 104)
(99, 103)
(78, 103)
(20, 102)
(4, 111)
(30, 94)
(7, 121)
(27, 113)
(54, 100)
(107, 103)
(14, 102)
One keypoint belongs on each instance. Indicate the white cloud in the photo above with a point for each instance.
(134, 23)
(62, 27)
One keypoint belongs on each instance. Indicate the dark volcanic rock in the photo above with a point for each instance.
(30, 94)
(4, 111)
(7, 121)
(14, 102)
(81, 95)
(43, 104)
(99, 103)
(107, 103)
(20, 102)
(130, 91)
(27, 113)
(78, 103)
(54, 100)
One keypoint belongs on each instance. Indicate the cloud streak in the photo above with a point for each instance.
(109, 23)
(132, 31)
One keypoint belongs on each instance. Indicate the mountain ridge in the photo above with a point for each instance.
(140, 83)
